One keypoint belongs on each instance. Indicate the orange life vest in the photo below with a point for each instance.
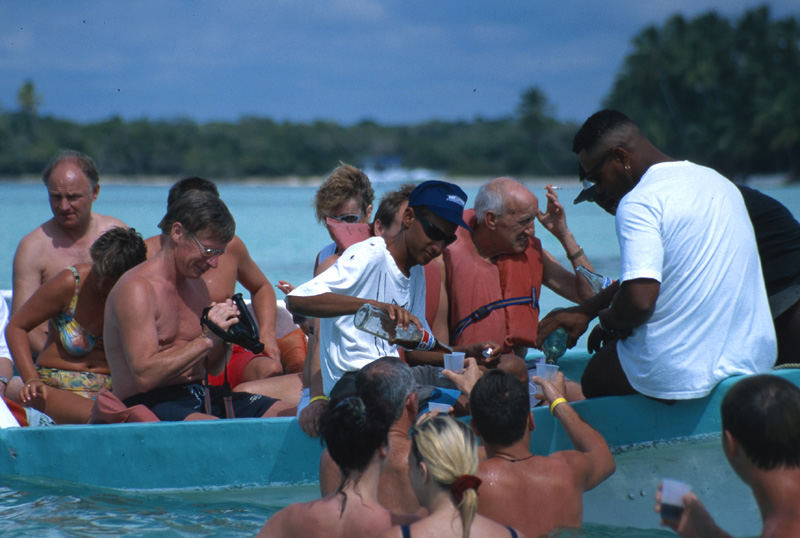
(492, 301)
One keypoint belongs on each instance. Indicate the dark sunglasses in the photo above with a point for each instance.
(349, 219)
(433, 232)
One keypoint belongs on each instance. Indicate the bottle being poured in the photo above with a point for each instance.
(596, 280)
(377, 322)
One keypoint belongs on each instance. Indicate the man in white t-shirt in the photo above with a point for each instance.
(386, 273)
(691, 308)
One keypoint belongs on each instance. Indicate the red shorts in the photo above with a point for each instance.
(240, 357)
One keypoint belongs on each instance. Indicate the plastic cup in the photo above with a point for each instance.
(672, 492)
(533, 389)
(454, 361)
(443, 408)
(545, 371)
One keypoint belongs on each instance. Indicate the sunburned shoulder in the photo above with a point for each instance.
(301, 519)
(35, 237)
(500, 472)
(105, 221)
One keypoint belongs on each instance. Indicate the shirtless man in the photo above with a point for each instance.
(235, 264)
(157, 349)
(760, 437)
(513, 478)
(72, 184)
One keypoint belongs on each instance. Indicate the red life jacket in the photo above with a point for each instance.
(492, 301)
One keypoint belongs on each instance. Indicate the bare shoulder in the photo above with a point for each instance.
(493, 471)
(572, 463)
(236, 246)
(483, 526)
(106, 222)
(132, 285)
(326, 263)
(300, 519)
(32, 242)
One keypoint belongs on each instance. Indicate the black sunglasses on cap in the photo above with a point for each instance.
(433, 232)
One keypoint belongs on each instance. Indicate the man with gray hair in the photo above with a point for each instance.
(495, 269)
(390, 381)
(72, 184)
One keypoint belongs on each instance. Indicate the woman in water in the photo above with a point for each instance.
(442, 465)
(71, 368)
(355, 434)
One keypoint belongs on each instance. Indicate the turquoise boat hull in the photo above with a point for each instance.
(272, 452)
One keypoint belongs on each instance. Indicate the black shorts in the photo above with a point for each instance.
(177, 402)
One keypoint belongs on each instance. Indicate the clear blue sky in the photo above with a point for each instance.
(393, 61)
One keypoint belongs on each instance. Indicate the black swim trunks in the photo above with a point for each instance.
(177, 402)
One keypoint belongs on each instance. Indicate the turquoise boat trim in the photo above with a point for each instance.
(266, 452)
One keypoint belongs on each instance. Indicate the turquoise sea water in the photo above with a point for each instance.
(38, 508)
(278, 226)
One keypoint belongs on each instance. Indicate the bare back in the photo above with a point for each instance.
(324, 518)
(147, 317)
(552, 484)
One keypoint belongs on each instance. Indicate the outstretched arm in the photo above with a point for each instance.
(575, 319)
(595, 462)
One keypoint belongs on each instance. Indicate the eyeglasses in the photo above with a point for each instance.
(433, 232)
(349, 219)
(589, 175)
(208, 252)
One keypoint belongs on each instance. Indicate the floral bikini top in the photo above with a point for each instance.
(76, 340)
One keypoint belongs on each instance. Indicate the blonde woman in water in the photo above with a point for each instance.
(442, 465)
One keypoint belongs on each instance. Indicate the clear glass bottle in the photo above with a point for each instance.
(554, 346)
(376, 321)
(597, 281)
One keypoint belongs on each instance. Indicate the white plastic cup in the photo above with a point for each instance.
(454, 361)
(533, 390)
(545, 371)
(672, 492)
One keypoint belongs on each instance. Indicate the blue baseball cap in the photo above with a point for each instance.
(444, 199)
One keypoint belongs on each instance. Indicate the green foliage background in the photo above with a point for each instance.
(720, 92)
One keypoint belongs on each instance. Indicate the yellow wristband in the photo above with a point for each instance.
(555, 404)
(320, 397)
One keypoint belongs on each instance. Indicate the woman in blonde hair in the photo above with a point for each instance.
(442, 465)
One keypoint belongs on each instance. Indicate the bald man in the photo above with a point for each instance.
(495, 270)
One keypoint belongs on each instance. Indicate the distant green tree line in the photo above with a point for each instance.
(720, 92)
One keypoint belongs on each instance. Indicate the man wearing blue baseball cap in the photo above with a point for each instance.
(388, 274)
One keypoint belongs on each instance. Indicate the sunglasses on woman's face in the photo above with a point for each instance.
(349, 219)
(433, 232)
